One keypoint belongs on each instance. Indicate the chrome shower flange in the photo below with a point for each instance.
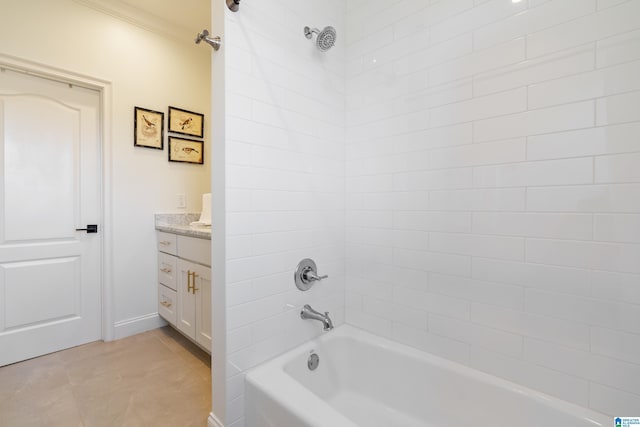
(233, 5)
(308, 32)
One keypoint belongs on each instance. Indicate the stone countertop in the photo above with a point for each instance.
(179, 224)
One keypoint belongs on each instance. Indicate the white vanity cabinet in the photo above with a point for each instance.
(184, 285)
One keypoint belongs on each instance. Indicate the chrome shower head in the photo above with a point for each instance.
(325, 39)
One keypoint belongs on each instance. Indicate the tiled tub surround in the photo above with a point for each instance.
(285, 183)
(493, 188)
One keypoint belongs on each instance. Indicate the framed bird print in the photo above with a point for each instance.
(186, 122)
(185, 150)
(148, 128)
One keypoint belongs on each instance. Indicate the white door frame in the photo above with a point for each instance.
(104, 88)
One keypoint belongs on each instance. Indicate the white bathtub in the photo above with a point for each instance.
(364, 380)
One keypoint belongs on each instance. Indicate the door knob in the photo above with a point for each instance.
(91, 228)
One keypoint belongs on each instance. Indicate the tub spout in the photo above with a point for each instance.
(309, 313)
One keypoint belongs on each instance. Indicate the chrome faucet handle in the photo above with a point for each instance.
(306, 274)
(311, 275)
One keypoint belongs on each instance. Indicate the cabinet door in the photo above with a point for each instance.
(203, 307)
(186, 312)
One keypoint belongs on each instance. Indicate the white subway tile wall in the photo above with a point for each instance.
(466, 172)
(285, 172)
(493, 187)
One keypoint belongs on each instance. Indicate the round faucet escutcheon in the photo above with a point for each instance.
(306, 274)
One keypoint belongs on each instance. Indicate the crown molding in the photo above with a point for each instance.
(141, 18)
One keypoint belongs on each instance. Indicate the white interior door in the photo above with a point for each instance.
(50, 281)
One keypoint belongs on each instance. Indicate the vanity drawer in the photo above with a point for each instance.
(167, 243)
(167, 302)
(196, 250)
(167, 270)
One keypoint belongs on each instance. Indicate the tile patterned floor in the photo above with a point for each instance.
(157, 378)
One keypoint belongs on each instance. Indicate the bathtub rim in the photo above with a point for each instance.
(306, 405)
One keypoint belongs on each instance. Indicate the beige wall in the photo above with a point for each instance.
(145, 69)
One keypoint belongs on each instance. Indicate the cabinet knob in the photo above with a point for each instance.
(166, 270)
(166, 303)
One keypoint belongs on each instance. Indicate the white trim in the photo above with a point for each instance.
(53, 73)
(108, 304)
(104, 87)
(140, 18)
(135, 325)
(217, 157)
(212, 421)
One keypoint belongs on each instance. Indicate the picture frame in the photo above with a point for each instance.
(148, 128)
(186, 122)
(186, 150)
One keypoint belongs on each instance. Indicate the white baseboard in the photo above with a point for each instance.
(212, 421)
(126, 328)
